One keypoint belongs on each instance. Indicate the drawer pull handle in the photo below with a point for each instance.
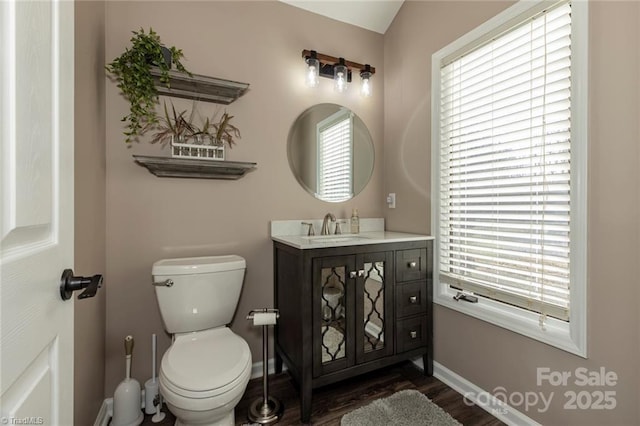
(413, 299)
(355, 274)
(412, 265)
(413, 334)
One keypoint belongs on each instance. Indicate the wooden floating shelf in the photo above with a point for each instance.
(189, 168)
(199, 87)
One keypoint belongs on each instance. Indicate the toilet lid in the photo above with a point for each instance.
(206, 360)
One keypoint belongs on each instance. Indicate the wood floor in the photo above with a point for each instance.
(331, 402)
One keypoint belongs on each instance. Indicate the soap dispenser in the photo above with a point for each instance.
(355, 222)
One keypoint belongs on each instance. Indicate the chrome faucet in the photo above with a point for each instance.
(325, 223)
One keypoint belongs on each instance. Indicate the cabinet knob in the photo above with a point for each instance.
(412, 265)
(413, 299)
(355, 274)
(413, 334)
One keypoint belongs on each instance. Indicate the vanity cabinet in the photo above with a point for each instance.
(352, 310)
(349, 310)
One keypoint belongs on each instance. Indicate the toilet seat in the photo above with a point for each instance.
(205, 364)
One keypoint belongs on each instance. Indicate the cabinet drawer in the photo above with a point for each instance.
(411, 265)
(411, 333)
(411, 298)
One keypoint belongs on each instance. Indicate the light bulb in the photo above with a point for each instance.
(313, 72)
(341, 84)
(365, 89)
(340, 77)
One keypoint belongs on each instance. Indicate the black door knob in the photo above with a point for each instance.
(70, 283)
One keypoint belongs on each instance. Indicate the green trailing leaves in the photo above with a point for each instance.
(132, 72)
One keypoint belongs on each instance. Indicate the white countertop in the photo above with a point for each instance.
(363, 238)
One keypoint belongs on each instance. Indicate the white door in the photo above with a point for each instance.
(36, 196)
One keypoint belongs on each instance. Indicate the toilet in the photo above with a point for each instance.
(205, 371)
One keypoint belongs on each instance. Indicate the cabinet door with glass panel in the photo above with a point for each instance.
(374, 306)
(334, 281)
(352, 310)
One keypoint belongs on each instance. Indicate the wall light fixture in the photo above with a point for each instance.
(338, 69)
(365, 75)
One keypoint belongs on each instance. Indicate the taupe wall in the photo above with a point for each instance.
(90, 208)
(490, 356)
(150, 218)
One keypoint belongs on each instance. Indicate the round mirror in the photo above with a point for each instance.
(330, 152)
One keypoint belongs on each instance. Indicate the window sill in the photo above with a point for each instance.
(556, 333)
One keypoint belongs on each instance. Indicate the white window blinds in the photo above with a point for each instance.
(335, 157)
(505, 145)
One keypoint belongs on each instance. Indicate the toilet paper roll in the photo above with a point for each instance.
(264, 318)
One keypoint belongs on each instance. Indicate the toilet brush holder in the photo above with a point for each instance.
(150, 395)
(126, 398)
(267, 409)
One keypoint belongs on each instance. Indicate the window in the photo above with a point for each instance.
(509, 164)
(335, 134)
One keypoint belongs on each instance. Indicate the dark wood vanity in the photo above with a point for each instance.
(351, 309)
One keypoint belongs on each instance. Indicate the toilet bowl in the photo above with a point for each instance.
(205, 371)
(203, 376)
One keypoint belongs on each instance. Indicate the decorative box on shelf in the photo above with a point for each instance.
(197, 151)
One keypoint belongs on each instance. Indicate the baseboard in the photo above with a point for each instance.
(489, 403)
(256, 368)
(106, 410)
(105, 413)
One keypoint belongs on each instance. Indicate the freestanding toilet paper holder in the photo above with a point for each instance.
(267, 409)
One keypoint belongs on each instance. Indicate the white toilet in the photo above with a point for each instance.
(205, 371)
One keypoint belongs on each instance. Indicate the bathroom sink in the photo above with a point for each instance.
(292, 234)
(340, 238)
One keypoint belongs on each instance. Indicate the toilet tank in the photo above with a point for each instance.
(204, 293)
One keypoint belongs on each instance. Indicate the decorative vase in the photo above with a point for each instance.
(167, 56)
(199, 149)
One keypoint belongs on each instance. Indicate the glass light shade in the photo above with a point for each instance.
(365, 87)
(313, 72)
(340, 75)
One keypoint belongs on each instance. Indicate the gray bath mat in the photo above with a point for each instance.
(404, 408)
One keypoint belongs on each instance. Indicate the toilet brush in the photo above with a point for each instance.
(126, 399)
(151, 385)
(153, 401)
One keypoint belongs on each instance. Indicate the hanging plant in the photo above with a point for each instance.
(132, 72)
